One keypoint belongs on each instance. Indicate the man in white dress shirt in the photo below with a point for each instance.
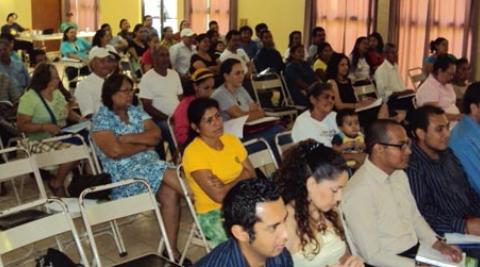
(181, 53)
(233, 50)
(379, 209)
(89, 90)
(386, 76)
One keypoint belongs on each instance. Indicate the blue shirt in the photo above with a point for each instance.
(228, 254)
(465, 143)
(80, 48)
(250, 48)
(17, 74)
(443, 195)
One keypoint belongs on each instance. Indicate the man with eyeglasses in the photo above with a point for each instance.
(437, 179)
(380, 213)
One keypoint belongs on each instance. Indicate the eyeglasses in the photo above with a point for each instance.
(402, 146)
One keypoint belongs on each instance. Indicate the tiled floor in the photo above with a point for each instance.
(140, 234)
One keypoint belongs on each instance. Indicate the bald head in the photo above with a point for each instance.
(160, 56)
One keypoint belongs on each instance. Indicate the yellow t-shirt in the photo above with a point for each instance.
(319, 64)
(226, 164)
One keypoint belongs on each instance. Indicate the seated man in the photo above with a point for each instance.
(160, 88)
(15, 70)
(380, 211)
(233, 50)
(464, 138)
(255, 220)
(268, 56)
(181, 53)
(437, 179)
(89, 91)
(7, 92)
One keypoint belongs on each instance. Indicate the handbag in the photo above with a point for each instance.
(81, 182)
(55, 258)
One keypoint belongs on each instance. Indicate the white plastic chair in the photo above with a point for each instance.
(115, 209)
(195, 235)
(283, 141)
(262, 158)
(49, 226)
(20, 167)
(417, 76)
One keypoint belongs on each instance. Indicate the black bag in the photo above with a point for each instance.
(81, 182)
(55, 258)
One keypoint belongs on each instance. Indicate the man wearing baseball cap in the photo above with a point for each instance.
(181, 53)
(102, 61)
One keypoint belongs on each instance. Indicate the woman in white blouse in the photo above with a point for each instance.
(311, 180)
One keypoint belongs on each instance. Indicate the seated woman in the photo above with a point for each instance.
(42, 112)
(375, 55)
(76, 48)
(202, 80)
(359, 68)
(118, 42)
(311, 180)
(167, 37)
(324, 53)
(146, 60)
(319, 121)
(337, 75)
(235, 102)
(213, 163)
(438, 47)
(202, 58)
(294, 38)
(138, 44)
(125, 138)
(299, 75)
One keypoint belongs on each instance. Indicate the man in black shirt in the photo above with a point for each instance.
(268, 56)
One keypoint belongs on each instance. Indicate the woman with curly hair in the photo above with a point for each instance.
(311, 180)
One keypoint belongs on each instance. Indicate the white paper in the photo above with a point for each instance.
(77, 127)
(433, 257)
(456, 238)
(261, 120)
(376, 103)
(235, 126)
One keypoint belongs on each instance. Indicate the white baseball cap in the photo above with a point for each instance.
(102, 52)
(187, 32)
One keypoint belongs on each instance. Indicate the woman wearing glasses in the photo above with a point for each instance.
(311, 180)
(125, 138)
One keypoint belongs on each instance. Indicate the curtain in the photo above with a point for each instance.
(85, 13)
(203, 11)
(421, 21)
(343, 21)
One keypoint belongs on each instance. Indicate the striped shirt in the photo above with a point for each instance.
(441, 189)
(228, 254)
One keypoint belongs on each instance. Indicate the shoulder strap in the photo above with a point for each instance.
(49, 110)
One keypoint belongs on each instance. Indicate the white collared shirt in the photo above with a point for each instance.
(89, 94)
(388, 79)
(382, 216)
(180, 56)
(240, 54)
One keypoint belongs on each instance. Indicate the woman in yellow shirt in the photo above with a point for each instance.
(324, 53)
(213, 163)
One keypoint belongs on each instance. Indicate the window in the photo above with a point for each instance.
(343, 21)
(154, 9)
(203, 11)
(421, 21)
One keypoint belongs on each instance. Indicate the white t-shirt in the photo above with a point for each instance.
(306, 127)
(240, 55)
(162, 90)
(89, 94)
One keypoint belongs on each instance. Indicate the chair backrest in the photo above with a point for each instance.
(186, 194)
(262, 157)
(283, 141)
(364, 89)
(417, 76)
(269, 90)
(95, 214)
(44, 227)
(21, 166)
(287, 91)
(172, 134)
(69, 154)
